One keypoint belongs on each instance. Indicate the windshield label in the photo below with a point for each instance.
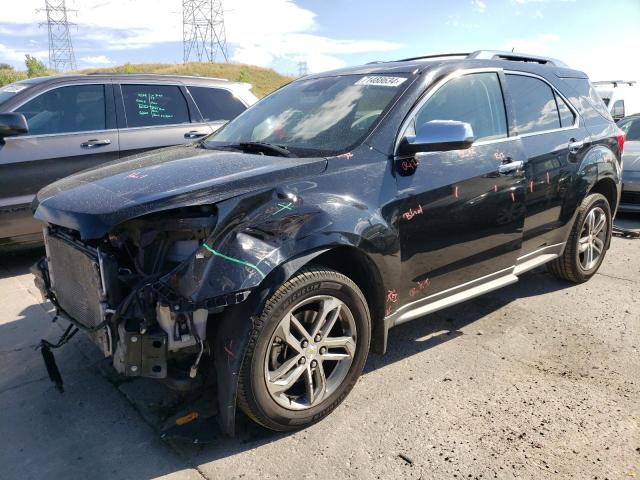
(381, 81)
(13, 88)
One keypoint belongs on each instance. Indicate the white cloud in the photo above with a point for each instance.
(539, 14)
(16, 56)
(259, 31)
(479, 5)
(97, 60)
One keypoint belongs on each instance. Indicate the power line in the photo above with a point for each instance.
(203, 31)
(61, 55)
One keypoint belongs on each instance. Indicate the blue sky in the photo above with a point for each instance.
(602, 38)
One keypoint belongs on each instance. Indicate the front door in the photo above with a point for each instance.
(71, 128)
(462, 212)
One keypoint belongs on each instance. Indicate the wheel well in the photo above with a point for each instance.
(607, 187)
(362, 270)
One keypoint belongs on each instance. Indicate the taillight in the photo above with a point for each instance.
(620, 138)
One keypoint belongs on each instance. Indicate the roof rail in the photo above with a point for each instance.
(515, 57)
(163, 75)
(615, 83)
(440, 55)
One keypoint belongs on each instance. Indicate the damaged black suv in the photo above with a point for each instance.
(273, 255)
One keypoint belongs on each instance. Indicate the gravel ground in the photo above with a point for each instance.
(538, 380)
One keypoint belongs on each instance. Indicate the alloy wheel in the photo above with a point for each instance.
(593, 238)
(310, 352)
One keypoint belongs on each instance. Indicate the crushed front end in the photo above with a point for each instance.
(125, 291)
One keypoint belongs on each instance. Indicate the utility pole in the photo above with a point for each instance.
(203, 32)
(61, 55)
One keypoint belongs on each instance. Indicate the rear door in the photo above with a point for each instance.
(71, 128)
(216, 105)
(554, 142)
(462, 214)
(154, 115)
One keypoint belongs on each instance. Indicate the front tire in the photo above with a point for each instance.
(587, 243)
(306, 350)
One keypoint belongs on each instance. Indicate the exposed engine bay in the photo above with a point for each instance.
(126, 290)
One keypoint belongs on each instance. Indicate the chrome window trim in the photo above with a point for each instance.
(416, 108)
(576, 116)
(173, 125)
(46, 135)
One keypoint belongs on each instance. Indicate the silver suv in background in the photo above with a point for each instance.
(51, 127)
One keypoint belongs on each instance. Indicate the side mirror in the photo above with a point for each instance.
(12, 124)
(437, 136)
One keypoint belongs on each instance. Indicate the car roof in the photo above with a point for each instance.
(479, 58)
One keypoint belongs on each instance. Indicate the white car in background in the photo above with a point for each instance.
(622, 97)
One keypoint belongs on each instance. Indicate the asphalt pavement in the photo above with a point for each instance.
(540, 379)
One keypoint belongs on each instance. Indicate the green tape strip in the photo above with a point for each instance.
(234, 260)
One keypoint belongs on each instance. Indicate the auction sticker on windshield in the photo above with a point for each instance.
(380, 81)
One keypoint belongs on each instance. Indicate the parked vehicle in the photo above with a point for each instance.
(621, 97)
(52, 127)
(630, 199)
(288, 243)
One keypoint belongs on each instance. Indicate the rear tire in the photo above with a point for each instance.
(588, 242)
(306, 351)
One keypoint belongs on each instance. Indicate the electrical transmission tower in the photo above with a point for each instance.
(303, 68)
(203, 31)
(61, 55)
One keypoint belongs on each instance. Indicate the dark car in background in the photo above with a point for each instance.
(286, 245)
(630, 199)
(74, 122)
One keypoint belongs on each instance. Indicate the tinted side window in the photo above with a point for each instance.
(475, 99)
(631, 128)
(78, 108)
(148, 105)
(216, 104)
(618, 109)
(534, 103)
(567, 117)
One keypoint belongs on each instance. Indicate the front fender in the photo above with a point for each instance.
(257, 233)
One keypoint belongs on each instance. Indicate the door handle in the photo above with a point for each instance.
(194, 134)
(575, 145)
(510, 167)
(95, 143)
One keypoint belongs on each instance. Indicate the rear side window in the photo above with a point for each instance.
(151, 105)
(618, 109)
(567, 117)
(475, 99)
(216, 104)
(77, 108)
(534, 103)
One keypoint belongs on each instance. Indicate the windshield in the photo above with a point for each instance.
(9, 91)
(319, 116)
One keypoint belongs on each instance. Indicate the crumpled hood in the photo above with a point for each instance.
(631, 156)
(96, 200)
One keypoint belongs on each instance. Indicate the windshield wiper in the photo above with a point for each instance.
(263, 147)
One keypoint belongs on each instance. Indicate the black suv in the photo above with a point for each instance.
(284, 247)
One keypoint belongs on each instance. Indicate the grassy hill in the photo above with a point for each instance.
(264, 80)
